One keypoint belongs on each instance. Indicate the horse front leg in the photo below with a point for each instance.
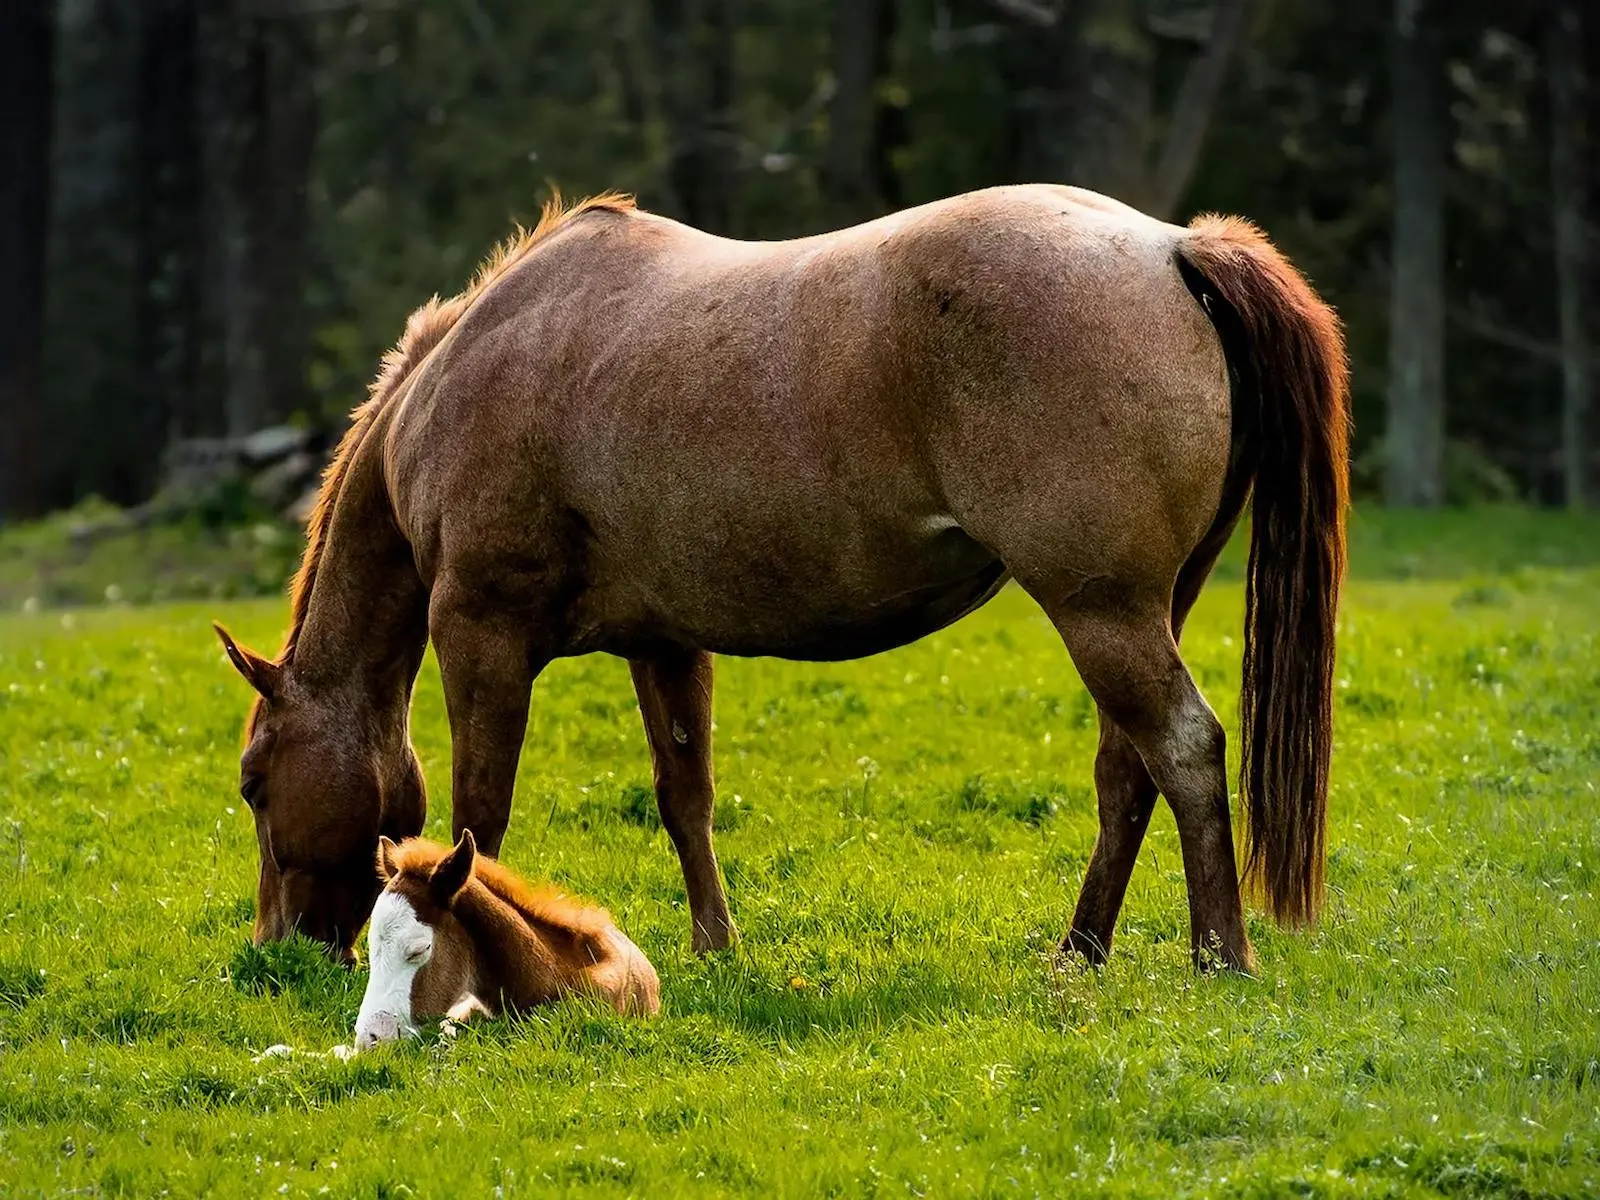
(674, 692)
(488, 660)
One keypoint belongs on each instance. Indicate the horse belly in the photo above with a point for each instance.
(884, 626)
(797, 606)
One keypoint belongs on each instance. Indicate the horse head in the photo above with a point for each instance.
(323, 782)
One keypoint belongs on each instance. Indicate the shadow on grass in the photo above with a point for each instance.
(298, 967)
(733, 992)
(726, 1012)
(20, 982)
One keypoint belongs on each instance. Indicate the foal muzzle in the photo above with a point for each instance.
(380, 1027)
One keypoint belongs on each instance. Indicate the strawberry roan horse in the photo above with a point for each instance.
(455, 935)
(633, 437)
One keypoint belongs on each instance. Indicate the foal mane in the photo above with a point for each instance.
(541, 905)
(425, 329)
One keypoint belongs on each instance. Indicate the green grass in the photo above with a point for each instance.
(903, 838)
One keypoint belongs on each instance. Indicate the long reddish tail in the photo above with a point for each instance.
(1291, 396)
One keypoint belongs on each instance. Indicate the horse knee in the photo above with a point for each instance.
(1199, 735)
(1188, 761)
(685, 817)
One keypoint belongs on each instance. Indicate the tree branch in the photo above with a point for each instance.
(271, 9)
(1035, 12)
(1489, 330)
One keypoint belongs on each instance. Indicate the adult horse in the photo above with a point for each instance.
(632, 437)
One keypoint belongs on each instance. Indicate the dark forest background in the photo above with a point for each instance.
(215, 214)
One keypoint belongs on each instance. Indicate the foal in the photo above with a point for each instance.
(460, 936)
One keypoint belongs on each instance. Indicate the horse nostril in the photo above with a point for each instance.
(379, 1027)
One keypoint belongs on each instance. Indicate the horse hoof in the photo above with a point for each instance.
(1084, 948)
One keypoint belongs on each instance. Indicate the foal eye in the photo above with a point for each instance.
(250, 789)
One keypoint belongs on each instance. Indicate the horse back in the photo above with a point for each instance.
(712, 435)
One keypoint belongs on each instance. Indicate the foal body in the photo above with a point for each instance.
(632, 437)
(454, 935)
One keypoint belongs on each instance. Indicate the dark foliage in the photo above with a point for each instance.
(243, 201)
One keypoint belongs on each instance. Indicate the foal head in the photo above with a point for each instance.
(322, 785)
(422, 959)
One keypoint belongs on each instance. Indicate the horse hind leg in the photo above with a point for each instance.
(1126, 795)
(1130, 664)
(675, 700)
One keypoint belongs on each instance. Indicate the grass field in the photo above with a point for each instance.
(904, 838)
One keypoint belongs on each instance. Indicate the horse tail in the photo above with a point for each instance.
(1286, 357)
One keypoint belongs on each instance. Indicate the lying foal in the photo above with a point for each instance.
(458, 936)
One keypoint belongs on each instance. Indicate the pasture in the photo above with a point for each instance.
(903, 839)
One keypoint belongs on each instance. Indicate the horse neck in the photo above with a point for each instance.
(366, 622)
(520, 955)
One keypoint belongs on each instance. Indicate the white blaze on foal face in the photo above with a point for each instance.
(399, 944)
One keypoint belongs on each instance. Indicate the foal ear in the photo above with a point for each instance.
(387, 867)
(454, 869)
(260, 673)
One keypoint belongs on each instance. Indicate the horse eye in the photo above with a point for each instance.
(250, 789)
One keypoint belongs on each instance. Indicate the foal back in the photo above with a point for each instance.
(533, 945)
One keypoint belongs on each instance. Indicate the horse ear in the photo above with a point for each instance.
(453, 871)
(387, 867)
(260, 673)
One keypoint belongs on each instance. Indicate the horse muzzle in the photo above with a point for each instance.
(373, 1029)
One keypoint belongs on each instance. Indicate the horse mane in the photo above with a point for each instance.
(425, 329)
(543, 904)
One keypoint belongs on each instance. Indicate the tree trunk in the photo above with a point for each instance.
(1415, 470)
(26, 58)
(853, 166)
(1192, 109)
(1564, 68)
(90, 395)
(1084, 76)
(695, 50)
(284, 244)
(1082, 85)
(167, 318)
(1110, 69)
(260, 125)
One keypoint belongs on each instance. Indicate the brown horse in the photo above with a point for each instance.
(457, 936)
(633, 437)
